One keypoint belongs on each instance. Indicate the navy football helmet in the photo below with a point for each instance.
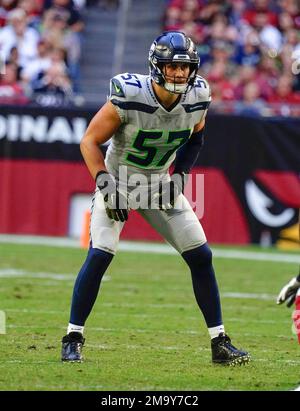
(173, 47)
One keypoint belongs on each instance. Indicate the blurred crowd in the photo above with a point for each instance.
(40, 47)
(249, 50)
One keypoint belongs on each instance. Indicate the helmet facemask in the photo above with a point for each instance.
(173, 47)
(176, 87)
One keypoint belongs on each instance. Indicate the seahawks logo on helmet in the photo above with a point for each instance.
(173, 47)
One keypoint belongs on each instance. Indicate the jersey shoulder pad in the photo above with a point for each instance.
(125, 85)
(202, 88)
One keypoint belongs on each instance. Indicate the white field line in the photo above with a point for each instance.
(158, 248)
(39, 240)
(18, 273)
(256, 256)
(120, 306)
(132, 330)
(141, 315)
(180, 306)
(102, 329)
(251, 296)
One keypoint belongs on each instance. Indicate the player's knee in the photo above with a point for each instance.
(205, 254)
(98, 257)
(198, 256)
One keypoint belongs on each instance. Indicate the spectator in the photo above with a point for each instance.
(57, 30)
(222, 30)
(260, 10)
(292, 7)
(213, 8)
(38, 65)
(283, 92)
(266, 75)
(172, 19)
(54, 87)
(66, 7)
(286, 21)
(5, 7)
(286, 58)
(18, 34)
(252, 104)
(14, 58)
(246, 74)
(10, 90)
(269, 35)
(33, 12)
(221, 52)
(248, 54)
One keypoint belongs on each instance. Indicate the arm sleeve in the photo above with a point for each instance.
(187, 155)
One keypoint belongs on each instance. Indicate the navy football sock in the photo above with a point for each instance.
(204, 284)
(87, 284)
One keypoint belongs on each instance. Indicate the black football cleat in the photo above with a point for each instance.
(71, 347)
(223, 352)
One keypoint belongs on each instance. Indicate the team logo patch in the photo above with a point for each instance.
(116, 88)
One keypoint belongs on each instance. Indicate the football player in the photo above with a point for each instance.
(290, 294)
(150, 118)
(290, 291)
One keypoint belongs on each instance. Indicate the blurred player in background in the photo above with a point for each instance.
(149, 118)
(290, 294)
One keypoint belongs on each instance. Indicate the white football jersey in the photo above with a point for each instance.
(150, 135)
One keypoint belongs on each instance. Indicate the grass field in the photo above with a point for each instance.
(145, 332)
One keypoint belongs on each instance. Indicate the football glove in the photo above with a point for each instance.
(288, 292)
(116, 205)
(169, 191)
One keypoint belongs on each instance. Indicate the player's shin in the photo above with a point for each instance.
(205, 286)
(87, 285)
(207, 295)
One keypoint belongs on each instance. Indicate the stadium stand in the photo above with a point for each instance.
(68, 50)
(250, 51)
(40, 48)
(144, 21)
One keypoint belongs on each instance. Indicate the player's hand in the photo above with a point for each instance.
(116, 205)
(288, 292)
(169, 191)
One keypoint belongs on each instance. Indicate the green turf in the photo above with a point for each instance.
(145, 332)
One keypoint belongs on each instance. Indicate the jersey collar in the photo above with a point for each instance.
(173, 107)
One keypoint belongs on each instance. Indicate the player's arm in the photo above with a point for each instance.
(185, 159)
(289, 292)
(101, 128)
(187, 155)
